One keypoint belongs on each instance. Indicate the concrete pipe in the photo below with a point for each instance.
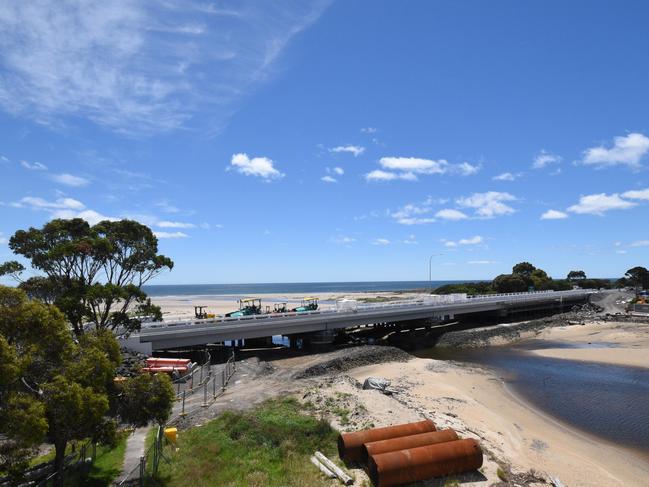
(424, 462)
(350, 445)
(407, 442)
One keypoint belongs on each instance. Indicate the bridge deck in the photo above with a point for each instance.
(197, 332)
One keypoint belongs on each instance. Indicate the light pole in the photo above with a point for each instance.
(430, 271)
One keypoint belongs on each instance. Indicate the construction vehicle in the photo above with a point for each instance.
(309, 303)
(200, 313)
(280, 308)
(247, 307)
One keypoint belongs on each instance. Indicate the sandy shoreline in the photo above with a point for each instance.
(477, 404)
(612, 343)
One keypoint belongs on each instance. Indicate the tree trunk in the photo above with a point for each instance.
(59, 462)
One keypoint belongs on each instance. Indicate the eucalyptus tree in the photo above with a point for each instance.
(91, 273)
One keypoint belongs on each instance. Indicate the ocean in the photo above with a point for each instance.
(287, 287)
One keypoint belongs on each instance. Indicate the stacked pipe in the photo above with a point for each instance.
(166, 365)
(350, 445)
(406, 453)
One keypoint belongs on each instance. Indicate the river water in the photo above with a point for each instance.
(608, 401)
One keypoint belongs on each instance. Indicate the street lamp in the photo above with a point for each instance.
(430, 271)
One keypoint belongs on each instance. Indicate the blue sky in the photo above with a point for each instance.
(324, 141)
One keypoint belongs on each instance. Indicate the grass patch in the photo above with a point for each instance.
(268, 446)
(102, 472)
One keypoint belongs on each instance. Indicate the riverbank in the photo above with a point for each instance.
(520, 442)
(618, 343)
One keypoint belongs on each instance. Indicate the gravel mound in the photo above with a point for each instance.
(131, 363)
(350, 358)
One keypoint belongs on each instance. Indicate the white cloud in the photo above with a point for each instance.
(69, 180)
(598, 204)
(489, 204)
(620, 251)
(464, 241)
(65, 208)
(3, 239)
(208, 226)
(410, 240)
(627, 150)
(554, 215)
(408, 168)
(409, 214)
(343, 240)
(171, 224)
(417, 214)
(170, 234)
(471, 241)
(4, 159)
(414, 165)
(466, 169)
(381, 241)
(140, 66)
(35, 166)
(451, 214)
(379, 175)
(36, 203)
(506, 176)
(356, 150)
(91, 216)
(257, 166)
(368, 130)
(640, 243)
(328, 179)
(415, 221)
(338, 170)
(481, 262)
(544, 159)
(167, 207)
(642, 194)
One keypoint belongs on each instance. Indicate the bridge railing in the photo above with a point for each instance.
(427, 301)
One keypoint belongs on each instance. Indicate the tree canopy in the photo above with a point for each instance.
(576, 275)
(509, 283)
(60, 389)
(638, 277)
(91, 273)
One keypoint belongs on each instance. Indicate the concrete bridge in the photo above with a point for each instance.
(430, 309)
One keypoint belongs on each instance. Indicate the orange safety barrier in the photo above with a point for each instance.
(424, 462)
(350, 445)
(407, 442)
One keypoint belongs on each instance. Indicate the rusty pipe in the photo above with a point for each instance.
(350, 444)
(407, 442)
(424, 462)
